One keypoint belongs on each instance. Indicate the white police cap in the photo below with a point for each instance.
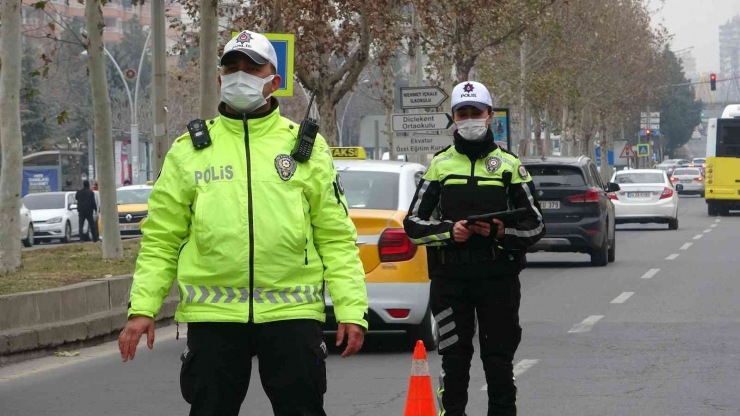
(471, 93)
(256, 46)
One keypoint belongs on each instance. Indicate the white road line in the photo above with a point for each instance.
(708, 230)
(698, 236)
(623, 297)
(672, 257)
(686, 246)
(717, 220)
(586, 325)
(519, 369)
(713, 226)
(650, 273)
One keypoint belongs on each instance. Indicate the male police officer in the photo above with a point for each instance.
(475, 267)
(253, 236)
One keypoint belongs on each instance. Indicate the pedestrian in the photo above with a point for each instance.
(254, 238)
(68, 186)
(474, 268)
(86, 210)
(126, 182)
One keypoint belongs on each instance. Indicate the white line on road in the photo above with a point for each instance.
(650, 273)
(586, 325)
(623, 297)
(708, 230)
(686, 246)
(519, 369)
(713, 225)
(698, 236)
(717, 220)
(672, 257)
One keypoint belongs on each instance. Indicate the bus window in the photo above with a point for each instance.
(728, 138)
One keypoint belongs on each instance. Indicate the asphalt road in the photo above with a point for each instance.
(656, 333)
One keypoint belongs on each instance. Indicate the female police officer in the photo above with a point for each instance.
(475, 267)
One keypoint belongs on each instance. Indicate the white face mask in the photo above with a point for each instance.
(472, 129)
(243, 92)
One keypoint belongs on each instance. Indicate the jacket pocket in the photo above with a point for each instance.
(219, 224)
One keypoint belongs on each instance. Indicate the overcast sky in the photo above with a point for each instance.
(696, 23)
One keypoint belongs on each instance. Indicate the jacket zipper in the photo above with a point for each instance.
(305, 253)
(250, 219)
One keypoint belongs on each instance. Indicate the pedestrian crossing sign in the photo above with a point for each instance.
(627, 152)
(643, 149)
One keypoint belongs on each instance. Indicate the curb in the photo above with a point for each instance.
(35, 324)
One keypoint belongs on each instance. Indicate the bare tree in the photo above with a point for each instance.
(209, 91)
(112, 247)
(10, 137)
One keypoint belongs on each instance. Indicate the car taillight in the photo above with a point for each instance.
(398, 313)
(613, 196)
(591, 196)
(698, 179)
(674, 179)
(394, 245)
(667, 193)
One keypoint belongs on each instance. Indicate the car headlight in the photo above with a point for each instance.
(55, 220)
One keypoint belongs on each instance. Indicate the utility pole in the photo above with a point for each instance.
(523, 125)
(160, 87)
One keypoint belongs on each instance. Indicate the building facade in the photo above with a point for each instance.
(729, 47)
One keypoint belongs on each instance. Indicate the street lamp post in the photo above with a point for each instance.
(133, 106)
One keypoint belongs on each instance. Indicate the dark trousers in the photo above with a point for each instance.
(91, 225)
(217, 366)
(455, 301)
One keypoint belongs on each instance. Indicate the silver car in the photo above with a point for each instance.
(688, 181)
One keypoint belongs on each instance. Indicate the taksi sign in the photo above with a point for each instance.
(422, 97)
(348, 153)
(420, 145)
(421, 122)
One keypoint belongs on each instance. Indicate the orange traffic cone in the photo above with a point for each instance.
(420, 399)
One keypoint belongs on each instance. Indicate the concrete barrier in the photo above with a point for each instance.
(43, 320)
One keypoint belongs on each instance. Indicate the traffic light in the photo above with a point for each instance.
(647, 132)
(713, 81)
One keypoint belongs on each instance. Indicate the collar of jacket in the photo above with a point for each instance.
(475, 150)
(258, 124)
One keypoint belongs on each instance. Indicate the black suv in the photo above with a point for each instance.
(575, 207)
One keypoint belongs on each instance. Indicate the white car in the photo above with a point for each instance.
(688, 181)
(645, 196)
(54, 215)
(26, 226)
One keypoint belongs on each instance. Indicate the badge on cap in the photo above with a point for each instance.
(244, 38)
(285, 166)
(468, 87)
(492, 164)
(523, 172)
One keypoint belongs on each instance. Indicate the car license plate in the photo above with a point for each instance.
(550, 204)
(639, 194)
(686, 181)
(134, 227)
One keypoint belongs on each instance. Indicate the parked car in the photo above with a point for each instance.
(575, 207)
(646, 196)
(26, 227)
(688, 181)
(54, 215)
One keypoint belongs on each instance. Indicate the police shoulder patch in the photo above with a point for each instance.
(285, 166)
(492, 164)
(523, 172)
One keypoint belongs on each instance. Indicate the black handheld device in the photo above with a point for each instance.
(503, 216)
(306, 135)
(199, 134)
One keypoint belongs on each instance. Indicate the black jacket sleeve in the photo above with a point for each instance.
(419, 225)
(530, 228)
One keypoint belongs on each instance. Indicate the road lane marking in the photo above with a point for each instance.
(586, 325)
(698, 236)
(41, 365)
(713, 226)
(650, 273)
(672, 257)
(717, 220)
(708, 230)
(623, 297)
(519, 369)
(686, 246)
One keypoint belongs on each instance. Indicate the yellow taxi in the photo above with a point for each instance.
(379, 194)
(133, 208)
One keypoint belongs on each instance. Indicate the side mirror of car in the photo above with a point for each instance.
(612, 187)
(72, 207)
